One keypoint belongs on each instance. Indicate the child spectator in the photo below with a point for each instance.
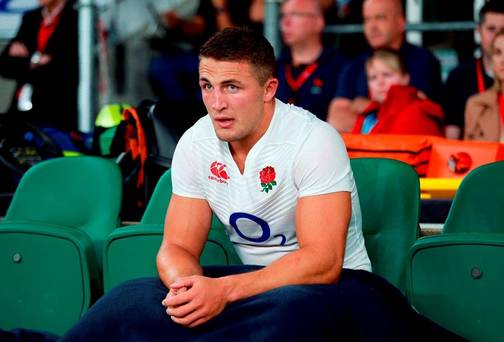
(396, 107)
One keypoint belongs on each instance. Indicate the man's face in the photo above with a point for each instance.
(235, 100)
(491, 24)
(49, 3)
(498, 58)
(301, 21)
(384, 24)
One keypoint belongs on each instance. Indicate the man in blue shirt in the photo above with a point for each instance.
(384, 26)
(307, 71)
(475, 75)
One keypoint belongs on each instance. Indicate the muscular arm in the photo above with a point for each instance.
(321, 228)
(186, 229)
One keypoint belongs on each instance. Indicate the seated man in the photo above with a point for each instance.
(473, 76)
(384, 27)
(307, 70)
(290, 208)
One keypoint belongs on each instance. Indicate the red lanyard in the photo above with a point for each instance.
(296, 84)
(479, 76)
(45, 32)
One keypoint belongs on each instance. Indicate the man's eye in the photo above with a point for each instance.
(232, 88)
(207, 86)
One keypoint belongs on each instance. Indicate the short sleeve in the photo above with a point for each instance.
(322, 165)
(184, 177)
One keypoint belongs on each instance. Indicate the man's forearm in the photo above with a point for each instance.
(304, 266)
(174, 262)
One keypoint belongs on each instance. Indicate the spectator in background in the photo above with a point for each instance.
(474, 76)
(384, 27)
(43, 59)
(484, 113)
(307, 71)
(396, 107)
(173, 74)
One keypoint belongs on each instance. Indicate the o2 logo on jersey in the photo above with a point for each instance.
(264, 226)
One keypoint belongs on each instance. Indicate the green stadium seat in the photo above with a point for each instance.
(389, 195)
(477, 206)
(456, 280)
(131, 251)
(51, 242)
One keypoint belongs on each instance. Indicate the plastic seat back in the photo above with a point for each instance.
(456, 280)
(51, 241)
(131, 251)
(389, 195)
(477, 206)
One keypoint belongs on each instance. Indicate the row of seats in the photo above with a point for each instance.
(60, 248)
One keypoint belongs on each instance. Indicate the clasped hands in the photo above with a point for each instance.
(194, 300)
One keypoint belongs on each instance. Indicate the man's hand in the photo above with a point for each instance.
(195, 300)
(18, 49)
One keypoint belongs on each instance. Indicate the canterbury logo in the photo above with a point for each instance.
(219, 173)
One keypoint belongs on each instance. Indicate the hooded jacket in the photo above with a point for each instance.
(404, 112)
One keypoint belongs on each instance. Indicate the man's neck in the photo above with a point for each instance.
(487, 64)
(55, 8)
(306, 53)
(396, 45)
(240, 149)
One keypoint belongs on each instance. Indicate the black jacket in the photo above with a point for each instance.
(54, 84)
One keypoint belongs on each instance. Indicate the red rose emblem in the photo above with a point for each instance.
(267, 177)
(318, 82)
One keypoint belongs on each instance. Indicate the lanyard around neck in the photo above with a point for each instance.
(296, 84)
(479, 76)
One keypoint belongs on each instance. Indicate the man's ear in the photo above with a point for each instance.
(402, 23)
(270, 88)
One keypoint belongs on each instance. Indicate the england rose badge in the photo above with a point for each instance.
(267, 177)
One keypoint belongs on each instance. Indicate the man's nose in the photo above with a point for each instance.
(218, 100)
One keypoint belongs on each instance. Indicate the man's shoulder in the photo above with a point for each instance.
(467, 67)
(33, 14)
(202, 130)
(296, 123)
(415, 52)
(332, 56)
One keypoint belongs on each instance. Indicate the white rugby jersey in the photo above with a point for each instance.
(299, 155)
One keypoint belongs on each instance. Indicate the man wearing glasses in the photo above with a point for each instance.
(306, 69)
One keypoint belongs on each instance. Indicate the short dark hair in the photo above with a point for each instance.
(240, 44)
(493, 6)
